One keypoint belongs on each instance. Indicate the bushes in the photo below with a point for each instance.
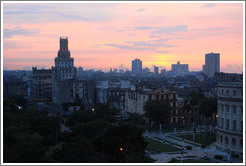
(219, 157)
(235, 155)
(203, 146)
(188, 147)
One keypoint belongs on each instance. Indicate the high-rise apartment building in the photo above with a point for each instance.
(212, 64)
(137, 66)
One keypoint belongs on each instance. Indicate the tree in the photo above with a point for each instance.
(134, 117)
(123, 144)
(195, 100)
(157, 111)
(208, 108)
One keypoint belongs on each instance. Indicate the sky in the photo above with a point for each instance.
(111, 35)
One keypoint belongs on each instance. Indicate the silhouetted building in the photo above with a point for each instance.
(137, 66)
(180, 69)
(63, 75)
(41, 87)
(163, 71)
(212, 64)
(156, 70)
(145, 70)
(15, 88)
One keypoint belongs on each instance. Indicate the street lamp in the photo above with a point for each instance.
(92, 109)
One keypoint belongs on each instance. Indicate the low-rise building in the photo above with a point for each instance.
(41, 87)
(135, 101)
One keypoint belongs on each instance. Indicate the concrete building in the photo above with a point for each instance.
(163, 72)
(230, 117)
(66, 87)
(62, 74)
(137, 66)
(180, 69)
(41, 87)
(212, 64)
(113, 93)
(145, 70)
(135, 101)
(156, 70)
(16, 88)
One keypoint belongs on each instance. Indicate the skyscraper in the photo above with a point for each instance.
(64, 66)
(62, 74)
(137, 66)
(212, 64)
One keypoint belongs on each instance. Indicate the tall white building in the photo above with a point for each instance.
(137, 66)
(212, 64)
(230, 117)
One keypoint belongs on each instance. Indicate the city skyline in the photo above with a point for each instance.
(116, 33)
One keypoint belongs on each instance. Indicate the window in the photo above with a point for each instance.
(234, 92)
(241, 142)
(222, 123)
(234, 109)
(222, 107)
(227, 108)
(233, 142)
(221, 139)
(227, 124)
(222, 92)
(234, 125)
(226, 140)
(227, 92)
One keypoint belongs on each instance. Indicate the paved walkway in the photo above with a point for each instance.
(196, 149)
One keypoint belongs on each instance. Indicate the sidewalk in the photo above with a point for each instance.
(196, 149)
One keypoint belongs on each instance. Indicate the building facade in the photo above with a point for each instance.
(156, 70)
(41, 87)
(135, 101)
(180, 69)
(137, 66)
(212, 64)
(230, 117)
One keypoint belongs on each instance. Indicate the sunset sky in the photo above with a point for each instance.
(104, 35)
